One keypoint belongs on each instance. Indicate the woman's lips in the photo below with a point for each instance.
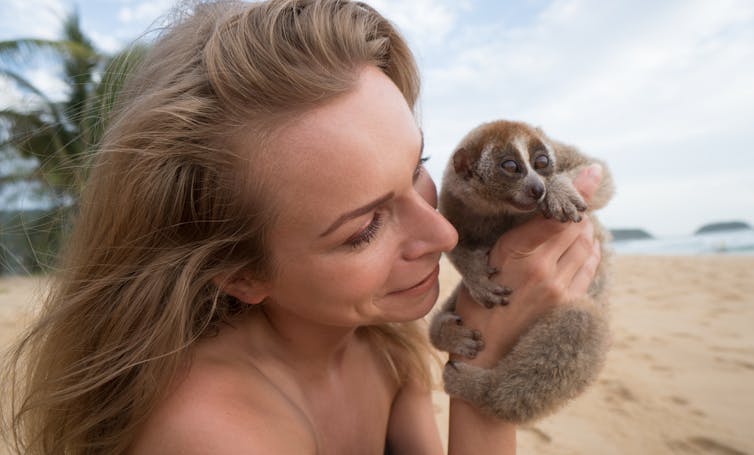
(422, 286)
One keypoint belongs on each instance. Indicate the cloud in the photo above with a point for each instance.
(51, 85)
(660, 90)
(144, 12)
(46, 81)
(105, 42)
(424, 22)
(37, 18)
(677, 207)
(585, 58)
(8, 94)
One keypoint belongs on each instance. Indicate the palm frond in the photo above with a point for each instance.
(24, 84)
(72, 30)
(47, 142)
(22, 51)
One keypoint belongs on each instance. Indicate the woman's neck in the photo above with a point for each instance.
(304, 345)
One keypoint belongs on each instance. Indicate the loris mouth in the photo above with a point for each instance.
(524, 206)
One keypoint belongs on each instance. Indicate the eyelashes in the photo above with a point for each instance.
(418, 169)
(368, 234)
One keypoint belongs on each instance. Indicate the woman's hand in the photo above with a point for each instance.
(546, 263)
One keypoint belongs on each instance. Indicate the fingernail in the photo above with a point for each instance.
(594, 170)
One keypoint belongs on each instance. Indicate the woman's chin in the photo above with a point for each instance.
(398, 308)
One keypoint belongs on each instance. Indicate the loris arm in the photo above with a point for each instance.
(571, 162)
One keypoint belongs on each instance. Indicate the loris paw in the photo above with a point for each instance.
(465, 381)
(449, 334)
(478, 274)
(488, 292)
(564, 205)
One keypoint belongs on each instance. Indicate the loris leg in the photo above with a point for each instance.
(561, 200)
(447, 333)
(552, 363)
(477, 275)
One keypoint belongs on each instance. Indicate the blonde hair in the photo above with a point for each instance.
(163, 213)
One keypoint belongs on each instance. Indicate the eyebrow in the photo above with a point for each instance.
(358, 212)
(370, 206)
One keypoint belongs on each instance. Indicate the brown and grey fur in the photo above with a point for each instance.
(562, 353)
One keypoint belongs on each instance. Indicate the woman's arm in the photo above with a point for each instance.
(547, 263)
(412, 428)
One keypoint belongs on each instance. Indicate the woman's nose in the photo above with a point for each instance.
(430, 232)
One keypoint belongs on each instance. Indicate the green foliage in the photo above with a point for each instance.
(29, 240)
(58, 136)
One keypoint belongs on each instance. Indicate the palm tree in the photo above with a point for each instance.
(59, 136)
(55, 138)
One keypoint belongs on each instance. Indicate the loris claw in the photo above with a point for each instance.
(479, 279)
(562, 201)
(450, 333)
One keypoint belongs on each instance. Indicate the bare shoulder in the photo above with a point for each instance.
(217, 409)
(413, 428)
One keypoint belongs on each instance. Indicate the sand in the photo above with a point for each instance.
(679, 378)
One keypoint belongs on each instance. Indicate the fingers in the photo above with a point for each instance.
(524, 239)
(546, 239)
(585, 274)
(577, 252)
(588, 180)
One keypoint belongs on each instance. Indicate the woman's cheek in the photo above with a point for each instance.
(376, 265)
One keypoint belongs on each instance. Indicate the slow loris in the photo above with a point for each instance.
(501, 174)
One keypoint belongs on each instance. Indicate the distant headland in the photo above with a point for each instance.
(624, 234)
(630, 234)
(723, 226)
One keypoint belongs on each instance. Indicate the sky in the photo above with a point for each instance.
(663, 92)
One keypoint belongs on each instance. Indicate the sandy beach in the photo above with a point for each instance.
(679, 378)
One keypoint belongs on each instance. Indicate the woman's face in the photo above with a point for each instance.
(358, 238)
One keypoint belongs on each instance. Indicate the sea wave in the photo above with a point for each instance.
(726, 242)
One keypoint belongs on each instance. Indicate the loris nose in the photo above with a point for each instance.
(536, 190)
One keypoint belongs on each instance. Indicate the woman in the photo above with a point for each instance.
(255, 245)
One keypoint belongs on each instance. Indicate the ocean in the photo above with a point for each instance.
(722, 242)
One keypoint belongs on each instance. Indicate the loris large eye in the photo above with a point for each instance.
(541, 162)
(510, 166)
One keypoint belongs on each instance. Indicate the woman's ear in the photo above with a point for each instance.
(243, 287)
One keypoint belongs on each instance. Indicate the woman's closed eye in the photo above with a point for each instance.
(366, 235)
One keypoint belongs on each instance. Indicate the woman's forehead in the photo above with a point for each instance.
(347, 151)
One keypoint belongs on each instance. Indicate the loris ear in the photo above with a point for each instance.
(462, 163)
(243, 287)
